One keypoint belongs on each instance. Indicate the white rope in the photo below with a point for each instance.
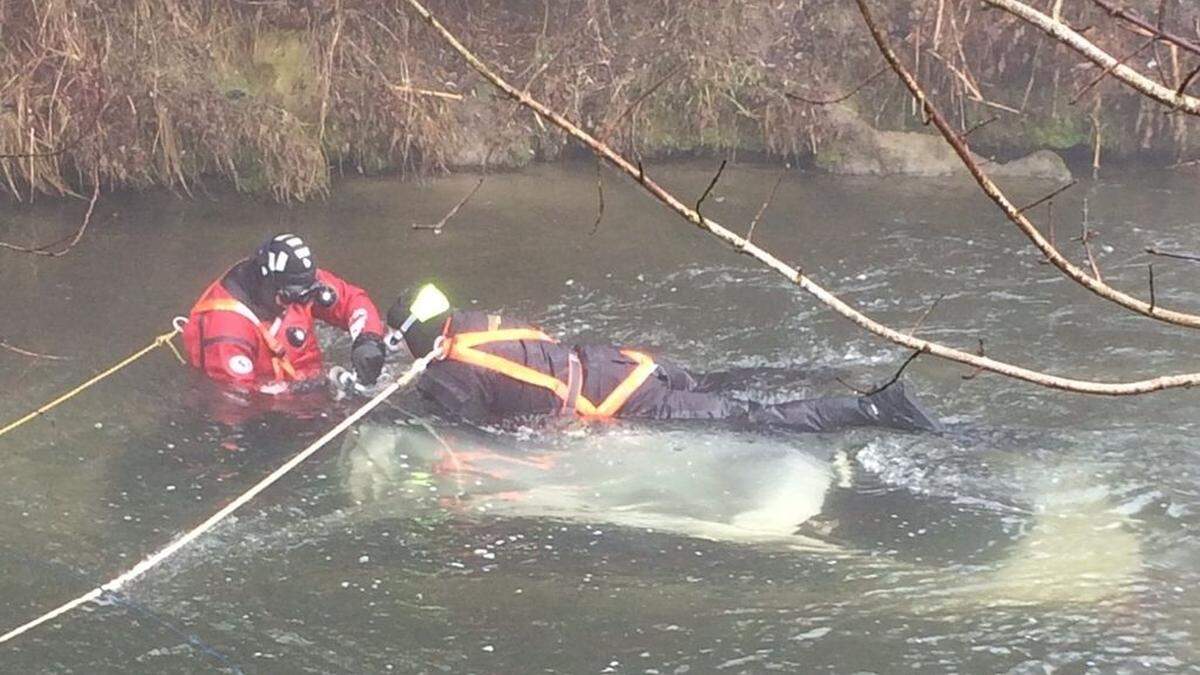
(144, 566)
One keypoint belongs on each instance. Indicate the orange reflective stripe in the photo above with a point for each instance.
(617, 398)
(483, 337)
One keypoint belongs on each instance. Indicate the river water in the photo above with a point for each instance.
(1044, 531)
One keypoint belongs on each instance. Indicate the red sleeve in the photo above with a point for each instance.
(229, 345)
(353, 311)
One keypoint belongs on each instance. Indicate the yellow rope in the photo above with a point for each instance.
(164, 339)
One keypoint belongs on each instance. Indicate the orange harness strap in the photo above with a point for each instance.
(463, 348)
(617, 397)
(279, 361)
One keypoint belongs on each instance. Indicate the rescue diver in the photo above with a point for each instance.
(253, 328)
(492, 368)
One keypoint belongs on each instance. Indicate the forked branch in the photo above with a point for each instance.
(795, 276)
(1015, 214)
(1176, 100)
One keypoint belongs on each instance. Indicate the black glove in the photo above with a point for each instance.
(367, 356)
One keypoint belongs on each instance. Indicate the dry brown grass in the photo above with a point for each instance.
(277, 96)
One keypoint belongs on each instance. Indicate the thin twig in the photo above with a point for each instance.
(762, 209)
(1187, 81)
(609, 126)
(437, 227)
(1066, 35)
(36, 355)
(711, 185)
(858, 390)
(896, 376)
(1047, 198)
(1158, 33)
(1152, 299)
(600, 197)
(793, 274)
(405, 89)
(1174, 254)
(1108, 71)
(44, 249)
(862, 85)
(975, 373)
(993, 191)
(917, 325)
(1085, 236)
(978, 126)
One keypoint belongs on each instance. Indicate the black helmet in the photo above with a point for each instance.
(287, 268)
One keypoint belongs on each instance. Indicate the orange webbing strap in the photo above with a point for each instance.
(279, 362)
(226, 305)
(462, 348)
(617, 398)
(483, 337)
(522, 373)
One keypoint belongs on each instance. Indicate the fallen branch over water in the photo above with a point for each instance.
(1066, 35)
(1012, 212)
(795, 276)
(437, 227)
(45, 249)
(1145, 27)
(31, 354)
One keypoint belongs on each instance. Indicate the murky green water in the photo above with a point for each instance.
(1046, 531)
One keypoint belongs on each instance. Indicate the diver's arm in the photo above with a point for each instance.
(351, 310)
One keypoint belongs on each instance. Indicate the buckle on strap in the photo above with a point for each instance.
(574, 384)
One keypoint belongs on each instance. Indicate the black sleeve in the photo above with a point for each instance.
(457, 389)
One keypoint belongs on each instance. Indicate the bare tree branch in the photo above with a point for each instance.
(1071, 38)
(977, 127)
(1047, 198)
(928, 311)
(831, 101)
(1173, 254)
(711, 184)
(787, 271)
(766, 203)
(896, 376)
(1187, 81)
(1107, 71)
(1151, 267)
(600, 197)
(993, 191)
(982, 352)
(637, 102)
(45, 249)
(437, 227)
(32, 354)
(1147, 27)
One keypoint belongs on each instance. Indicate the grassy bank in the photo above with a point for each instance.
(277, 96)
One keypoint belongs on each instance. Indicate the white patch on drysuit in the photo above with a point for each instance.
(240, 364)
(358, 321)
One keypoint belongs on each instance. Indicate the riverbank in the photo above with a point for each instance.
(278, 98)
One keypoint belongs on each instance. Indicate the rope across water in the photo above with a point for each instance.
(161, 340)
(152, 561)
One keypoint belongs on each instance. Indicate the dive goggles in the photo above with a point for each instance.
(302, 294)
